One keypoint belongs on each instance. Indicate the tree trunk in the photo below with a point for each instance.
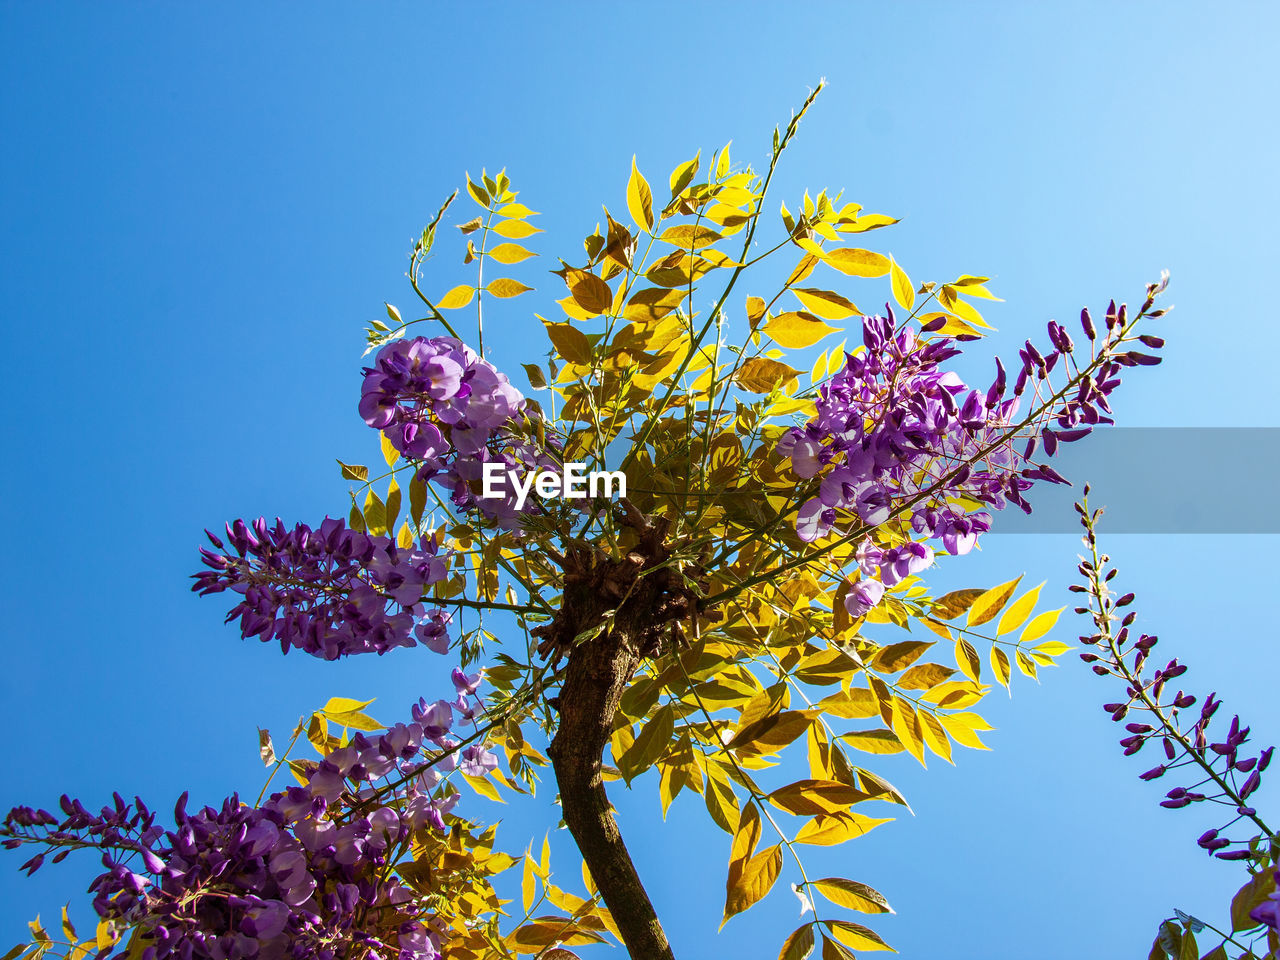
(596, 676)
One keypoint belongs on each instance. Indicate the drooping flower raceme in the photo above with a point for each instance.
(331, 591)
(304, 875)
(895, 430)
(440, 404)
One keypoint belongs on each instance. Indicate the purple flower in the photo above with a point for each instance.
(330, 592)
(1268, 912)
(862, 596)
(476, 761)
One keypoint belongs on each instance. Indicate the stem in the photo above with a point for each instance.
(596, 676)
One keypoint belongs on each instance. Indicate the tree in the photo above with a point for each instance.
(722, 608)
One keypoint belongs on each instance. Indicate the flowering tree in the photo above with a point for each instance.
(735, 605)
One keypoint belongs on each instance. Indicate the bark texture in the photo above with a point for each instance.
(615, 612)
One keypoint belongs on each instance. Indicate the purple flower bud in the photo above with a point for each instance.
(1086, 322)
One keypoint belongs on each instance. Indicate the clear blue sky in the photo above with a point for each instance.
(203, 205)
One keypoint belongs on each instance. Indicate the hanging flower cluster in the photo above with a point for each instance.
(894, 430)
(331, 591)
(440, 404)
(305, 875)
(1214, 767)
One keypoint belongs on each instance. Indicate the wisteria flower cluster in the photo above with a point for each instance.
(304, 875)
(895, 430)
(440, 404)
(1213, 766)
(330, 591)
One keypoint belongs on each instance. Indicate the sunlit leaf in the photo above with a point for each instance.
(990, 603)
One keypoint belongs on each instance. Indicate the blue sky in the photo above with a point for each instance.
(202, 208)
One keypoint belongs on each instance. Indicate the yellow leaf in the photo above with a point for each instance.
(721, 802)
(570, 342)
(504, 288)
(985, 607)
(683, 174)
(761, 375)
(690, 236)
(811, 798)
(799, 945)
(857, 263)
(857, 936)
(879, 740)
(951, 605)
(803, 269)
(344, 705)
(722, 164)
(510, 253)
(826, 303)
(105, 935)
(935, 735)
(828, 830)
(478, 193)
(962, 727)
(67, 929)
(404, 539)
(745, 838)
(528, 883)
(1017, 614)
(797, 330)
(771, 734)
(640, 199)
(649, 745)
(906, 724)
(517, 210)
(515, 229)
(967, 659)
(456, 298)
(484, 786)
(758, 878)
(851, 894)
(1000, 665)
(1041, 625)
(902, 289)
(589, 291)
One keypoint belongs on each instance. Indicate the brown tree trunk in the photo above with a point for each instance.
(596, 676)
